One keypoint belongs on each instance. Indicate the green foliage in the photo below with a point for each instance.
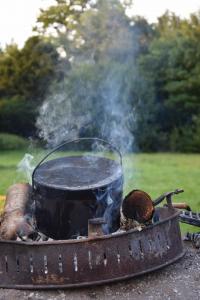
(104, 32)
(25, 76)
(12, 142)
(172, 68)
(27, 72)
(99, 78)
(84, 26)
(8, 61)
(154, 68)
(61, 19)
(17, 116)
(186, 138)
(39, 60)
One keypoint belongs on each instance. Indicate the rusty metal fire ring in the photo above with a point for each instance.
(91, 261)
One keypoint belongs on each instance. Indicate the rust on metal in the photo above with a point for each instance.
(48, 279)
(138, 205)
(94, 260)
(95, 227)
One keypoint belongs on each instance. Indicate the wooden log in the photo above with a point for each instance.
(15, 218)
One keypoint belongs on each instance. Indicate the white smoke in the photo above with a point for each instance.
(94, 97)
(57, 121)
(26, 166)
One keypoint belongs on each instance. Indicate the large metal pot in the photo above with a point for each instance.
(73, 188)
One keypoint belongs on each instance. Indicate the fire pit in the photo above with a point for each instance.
(93, 260)
(105, 253)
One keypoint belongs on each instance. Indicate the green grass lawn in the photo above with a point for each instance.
(153, 173)
(8, 169)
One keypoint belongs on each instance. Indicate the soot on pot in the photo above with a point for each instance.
(70, 190)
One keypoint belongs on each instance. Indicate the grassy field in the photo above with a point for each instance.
(153, 173)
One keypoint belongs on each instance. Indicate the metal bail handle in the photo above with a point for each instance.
(110, 146)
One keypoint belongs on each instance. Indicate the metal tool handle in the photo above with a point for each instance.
(181, 206)
(109, 145)
(168, 197)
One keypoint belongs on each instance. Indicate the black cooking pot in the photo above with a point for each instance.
(71, 189)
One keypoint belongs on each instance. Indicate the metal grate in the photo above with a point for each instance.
(190, 217)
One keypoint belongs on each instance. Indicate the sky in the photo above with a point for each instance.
(17, 17)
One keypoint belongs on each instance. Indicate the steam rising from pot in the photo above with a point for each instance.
(26, 166)
(94, 97)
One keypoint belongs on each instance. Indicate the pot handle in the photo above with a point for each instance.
(113, 148)
(182, 206)
(168, 197)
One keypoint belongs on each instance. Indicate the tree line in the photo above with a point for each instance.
(78, 42)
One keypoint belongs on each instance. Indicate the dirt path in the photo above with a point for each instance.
(178, 281)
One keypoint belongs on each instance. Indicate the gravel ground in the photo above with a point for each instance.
(178, 281)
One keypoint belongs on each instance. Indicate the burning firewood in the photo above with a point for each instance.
(137, 209)
(127, 224)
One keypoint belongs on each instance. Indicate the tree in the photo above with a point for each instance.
(25, 76)
(61, 17)
(9, 60)
(172, 67)
(94, 97)
(65, 22)
(27, 72)
(17, 116)
(59, 22)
